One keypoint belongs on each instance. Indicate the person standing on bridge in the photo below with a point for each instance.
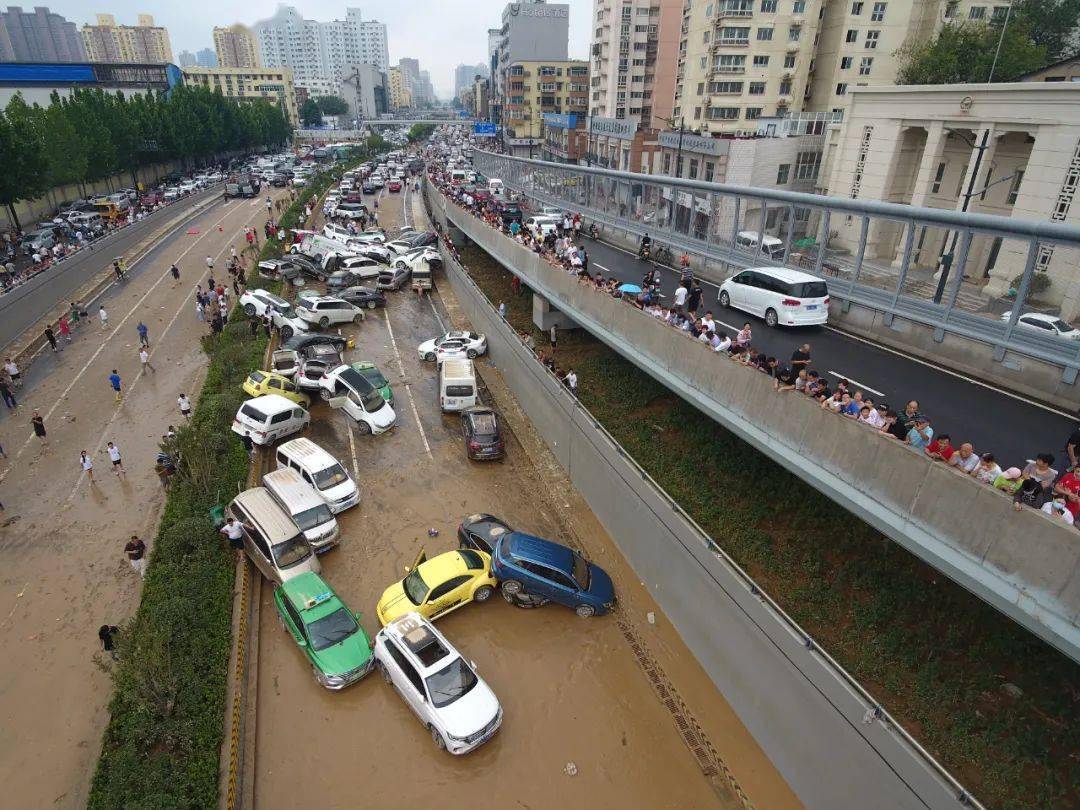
(800, 358)
(693, 300)
(144, 334)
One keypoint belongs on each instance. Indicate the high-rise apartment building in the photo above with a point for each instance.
(186, 59)
(465, 75)
(534, 30)
(535, 88)
(142, 43)
(39, 36)
(398, 83)
(206, 57)
(635, 46)
(236, 46)
(364, 89)
(320, 50)
(245, 85)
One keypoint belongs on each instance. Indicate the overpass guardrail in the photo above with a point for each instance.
(1024, 564)
(705, 219)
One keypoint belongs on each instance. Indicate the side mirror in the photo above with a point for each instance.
(473, 665)
(301, 642)
(356, 615)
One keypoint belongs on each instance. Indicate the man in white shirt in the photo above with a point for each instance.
(234, 532)
(571, 381)
(708, 322)
(965, 458)
(680, 296)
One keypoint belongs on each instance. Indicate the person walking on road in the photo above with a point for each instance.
(114, 381)
(185, 405)
(135, 549)
(144, 358)
(210, 262)
(144, 332)
(175, 272)
(87, 465)
(199, 310)
(5, 392)
(114, 457)
(65, 329)
(49, 336)
(76, 310)
(554, 338)
(502, 310)
(38, 423)
(13, 373)
(104, 317)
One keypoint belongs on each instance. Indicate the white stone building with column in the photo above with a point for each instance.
(1006, 149)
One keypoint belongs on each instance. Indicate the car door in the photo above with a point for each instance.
(754, 294)
(407, 681)
(278, 425)
(737, 289)
(563, 589)
(259, 552)
(273, 384)
(292, 621)
(450, 594)
(539, 581)
(466, 427)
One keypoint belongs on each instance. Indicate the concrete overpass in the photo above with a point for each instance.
(1023, 563)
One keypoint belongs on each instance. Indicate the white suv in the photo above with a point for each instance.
(284, 317)
(459, 710)
(783, 297)
(327, 310)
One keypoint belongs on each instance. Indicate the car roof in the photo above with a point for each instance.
(274, 523)
(445, 565)
(536, 549)
(785, 274)
(307, 450)
(311, 595)
(426, 646)
(272, 403)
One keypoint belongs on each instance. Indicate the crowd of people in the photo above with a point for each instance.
(1036, 484)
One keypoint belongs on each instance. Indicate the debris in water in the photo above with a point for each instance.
(1012, 689)
(570, 769)
(432, 532)
(651, 617)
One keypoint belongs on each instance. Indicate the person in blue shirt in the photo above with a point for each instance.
(920, 435)
(114, 381)
(143, 331)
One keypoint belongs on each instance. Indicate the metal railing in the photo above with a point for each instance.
(725, 223)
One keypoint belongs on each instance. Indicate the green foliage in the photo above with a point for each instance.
(310, 114)
(332, 105)
(964, 52)
(1040, 283)
(420, 132)
(21, 138)
(1053, 24)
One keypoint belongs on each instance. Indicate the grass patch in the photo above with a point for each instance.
(935, 655)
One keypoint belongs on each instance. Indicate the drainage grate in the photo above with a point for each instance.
(712, 765)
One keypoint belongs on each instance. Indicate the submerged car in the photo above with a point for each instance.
(463, 344)
(371, 373)
(482, 428)
(269, 382)
(438, 586)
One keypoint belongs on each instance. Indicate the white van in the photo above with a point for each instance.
(303, 504)
(783, 297)
(268, 418)
(457, 385)
(322, 471)
(273, 542)
(495, 187)
(458, 176)
(770, 245)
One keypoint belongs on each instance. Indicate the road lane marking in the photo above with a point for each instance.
(408, 388)
(855, 382)
(349, 426)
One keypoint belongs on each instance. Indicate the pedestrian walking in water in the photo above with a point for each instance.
(104, 316)
(144, 358)
(65, 328)
(5, 392)
(135, 550)
(38, 423)
(175, 271)
(49, 336)
(13, 373)
(144, 334)
(87, 466)
(114, 381)
(114, 457)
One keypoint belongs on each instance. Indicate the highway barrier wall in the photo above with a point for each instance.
(1023, 563)
(828, 737)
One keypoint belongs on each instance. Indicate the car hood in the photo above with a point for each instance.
(345, 656)
(394, 603)
(471, 712)
(427, 346)
(601, 587)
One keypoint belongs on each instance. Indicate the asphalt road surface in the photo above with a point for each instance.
(1012, 428)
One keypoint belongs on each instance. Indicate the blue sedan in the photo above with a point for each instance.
(530, 566)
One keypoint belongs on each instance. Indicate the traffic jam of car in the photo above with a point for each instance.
(288, 525)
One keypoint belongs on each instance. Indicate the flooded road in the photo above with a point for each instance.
(584, 725)
(63, 572)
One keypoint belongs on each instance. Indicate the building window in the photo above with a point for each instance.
(977, 13)
(807, 165)
(692, 174)
(701, 88)
(761, 61)
(723, 113)
(794, 32)
(732, 35)
(752, 113)
(1014, 187)
(764, 34)
(708, 171)
(756, 88)
(841, 89)
(878, 14)
(768, 6)
(726, 88)
(864, 65)
(789, 61)
(705, 36)
(852, 35)
(708, 10)
(939, 175)
(785, 88)
(845, 62)
(856, 9)
(872, 39)
(667, 162)
(697, 112)
(799, 7)
(782, 172)
(727, 63)
(999, 13)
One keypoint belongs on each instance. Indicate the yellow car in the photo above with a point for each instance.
(267, 382)
(437, 586)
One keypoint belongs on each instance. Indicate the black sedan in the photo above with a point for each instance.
(301, 341)
(420, 239)
(480, 532)
(482, 429)
(368, 188)
(363, 297)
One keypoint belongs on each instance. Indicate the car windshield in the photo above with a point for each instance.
(1061, 326)
(415, 588)
(809, 289)
(484, 424)
(452, 682)
(374, 376)
(331, 630)
(256, 377)
(253, 413)
(330, 477)
(581, 572)
(292, 551)
(310, 518)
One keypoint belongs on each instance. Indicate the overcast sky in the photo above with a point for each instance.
(440, 33)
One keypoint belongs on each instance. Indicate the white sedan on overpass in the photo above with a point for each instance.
(1046, 324)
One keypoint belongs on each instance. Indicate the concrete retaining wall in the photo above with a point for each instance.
(1024, 563)
(809, 719)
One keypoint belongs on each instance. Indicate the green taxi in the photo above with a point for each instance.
(371, 373)
(328, 632)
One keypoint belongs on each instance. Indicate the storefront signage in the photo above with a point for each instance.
(613, 127)
(698, 144)
(560, 121)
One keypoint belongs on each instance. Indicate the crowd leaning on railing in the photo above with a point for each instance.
(1036, 484)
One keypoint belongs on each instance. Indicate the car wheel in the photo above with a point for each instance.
(385, 672)
(525, 601)
(483, 593)
(371, 305)
(429, 356)
(324, 322)
(725, 299)
(249, 309)
(437, 738)
(512, 587)
(471, 354)
(286, 332)
(315, 674)
(324, 395)
(359, 319)
(363, 428)
(771, 318)
(585, 611)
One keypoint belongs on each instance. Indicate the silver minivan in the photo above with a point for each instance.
(304, 505)
(274, 543)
